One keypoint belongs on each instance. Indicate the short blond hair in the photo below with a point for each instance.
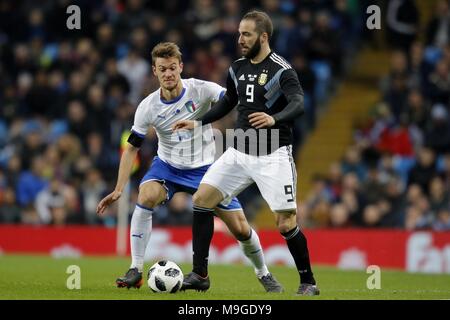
(166, 50)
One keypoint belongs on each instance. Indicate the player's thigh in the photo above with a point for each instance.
(207, 196)
(276, 178)
(223, 181)
(152, 193)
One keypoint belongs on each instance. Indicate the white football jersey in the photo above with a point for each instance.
(186, 149)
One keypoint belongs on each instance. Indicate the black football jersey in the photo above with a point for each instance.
(262, 87)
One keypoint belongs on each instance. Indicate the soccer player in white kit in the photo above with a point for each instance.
(182, 160)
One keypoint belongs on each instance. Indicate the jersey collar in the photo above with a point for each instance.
(174, 99)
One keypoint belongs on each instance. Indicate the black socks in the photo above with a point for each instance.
(297, 244)
(202, 233)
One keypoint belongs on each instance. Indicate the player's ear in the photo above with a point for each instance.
(154, 70)
(181, 67)
(264, 37)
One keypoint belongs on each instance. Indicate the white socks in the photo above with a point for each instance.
(253, 250)
(141, 228)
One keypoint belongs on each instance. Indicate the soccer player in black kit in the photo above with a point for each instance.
(269, 98)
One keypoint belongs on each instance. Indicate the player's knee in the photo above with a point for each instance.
(200, 200)
(149, 201)
(286, 225)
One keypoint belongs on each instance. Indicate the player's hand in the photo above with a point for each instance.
(185, 124)
(106, 201)
(260, 120)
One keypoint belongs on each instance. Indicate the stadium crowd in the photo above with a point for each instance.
(397, 172)
(67, 97)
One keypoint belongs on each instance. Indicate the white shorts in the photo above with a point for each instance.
(274, 174)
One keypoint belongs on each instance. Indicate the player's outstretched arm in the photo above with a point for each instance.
(125, 167)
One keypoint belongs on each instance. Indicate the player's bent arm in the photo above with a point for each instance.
(294, 109)
(292, 90)
(218, 111)
(224, 105)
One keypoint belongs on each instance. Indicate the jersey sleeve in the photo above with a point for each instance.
(231, 93)
(289, 83)
(212, 91)
(142, 120)
(292, 90)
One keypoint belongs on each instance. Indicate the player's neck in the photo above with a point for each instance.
(263, 53)
(169, 95)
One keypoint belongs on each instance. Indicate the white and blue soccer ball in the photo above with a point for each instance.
(165, 277)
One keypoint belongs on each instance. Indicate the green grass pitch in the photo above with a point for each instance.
(42, 277)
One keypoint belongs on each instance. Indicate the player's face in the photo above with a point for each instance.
(168, 71)
(249, 39)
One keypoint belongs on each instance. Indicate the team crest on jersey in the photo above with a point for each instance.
(262, 79)
(190, 106)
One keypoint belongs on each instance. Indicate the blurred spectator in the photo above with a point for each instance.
(117, 86)
(393, 203)
(438, 30)
(352, 163)
(9, 211)
(51, 204)
(372, 216)
(98, 112)
(79, 123)
(204, 15)
(425, 169)
(397, 140)
(307, 79)
(417, 111)
(339, 216)
(323, 44)
(372, 187)
(442, 223)
(41, 98)
(33, 142)
(134, 68)
(94, 188)
(31, 182)
(437, 137)
(438, 86)
(415, 219)
(439, 198)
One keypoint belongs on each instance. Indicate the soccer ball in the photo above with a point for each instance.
(165, 276)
